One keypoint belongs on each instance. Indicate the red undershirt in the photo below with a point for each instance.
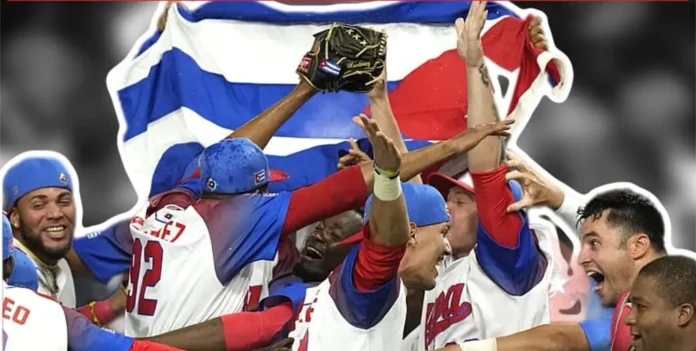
(493, 196)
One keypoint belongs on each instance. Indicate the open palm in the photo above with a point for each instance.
(469, 34)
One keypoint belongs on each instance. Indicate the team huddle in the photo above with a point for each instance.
(402, 256)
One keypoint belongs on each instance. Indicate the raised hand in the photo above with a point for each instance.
(380, 89)
(469, 34)
(471, 137)
(162, 20)
(536, 191)
(536, 34)
(387, 156)
(354, 156)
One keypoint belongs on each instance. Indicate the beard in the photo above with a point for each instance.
(34, 243)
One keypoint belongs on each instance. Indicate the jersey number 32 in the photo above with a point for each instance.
(150, 252)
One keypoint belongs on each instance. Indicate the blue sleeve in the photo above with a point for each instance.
(85, 336)
(245, 229)
(516, 270)
(292, 291)
(598, 333)
(24, 271)
(361, 309)
(108, 252)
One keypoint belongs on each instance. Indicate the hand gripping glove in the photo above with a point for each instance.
(345, 57)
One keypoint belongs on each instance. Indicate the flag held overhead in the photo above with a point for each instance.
(219, 64)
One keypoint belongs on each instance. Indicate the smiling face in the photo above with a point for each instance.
(46, 222)
(604, 258)
(652, 320)
(462, 210)
(663, 300)
(426, 247)
(322, 251)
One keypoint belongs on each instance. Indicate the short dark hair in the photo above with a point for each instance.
(632, 212)
(675, 277)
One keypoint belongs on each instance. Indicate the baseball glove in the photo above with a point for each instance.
(345, 57)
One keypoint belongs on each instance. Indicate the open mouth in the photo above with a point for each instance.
(313, 253)
(55, 232)
(598, 278)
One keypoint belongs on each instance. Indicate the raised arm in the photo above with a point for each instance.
(261, 128)
(349, 187)
(381, 111)
(366, 284)
(388, 219)
(506, 250)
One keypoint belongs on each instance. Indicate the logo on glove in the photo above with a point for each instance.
(304, 64)
(329, 67)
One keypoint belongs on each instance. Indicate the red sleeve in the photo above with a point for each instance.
(340, 192)
(180, 197)
(376, 264)
(102, 309)
(143, 345)
(252, 330)
(493, 196)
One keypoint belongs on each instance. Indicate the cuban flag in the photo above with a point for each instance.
(218, 64)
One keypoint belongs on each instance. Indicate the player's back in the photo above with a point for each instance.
(467, 304)
(190, 265)
(324, 327)
(32, 322)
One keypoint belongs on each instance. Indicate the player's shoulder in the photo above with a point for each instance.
(180, 197)
(254, 200)
(31, 299)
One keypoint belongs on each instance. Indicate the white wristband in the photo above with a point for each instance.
(479, 345)
(569, 209)
(386, 189)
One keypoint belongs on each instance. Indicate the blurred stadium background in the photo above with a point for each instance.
(630, 116)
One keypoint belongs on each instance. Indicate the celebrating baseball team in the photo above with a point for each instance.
(400, 257)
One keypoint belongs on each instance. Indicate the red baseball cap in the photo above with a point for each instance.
(443, 183)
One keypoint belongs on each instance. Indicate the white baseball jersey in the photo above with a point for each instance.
(491, 292)
(338, 317)
(56, 281)
(35, 322)
(196, 263)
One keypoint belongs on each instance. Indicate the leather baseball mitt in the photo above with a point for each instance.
(345, 57)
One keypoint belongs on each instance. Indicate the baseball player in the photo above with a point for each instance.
(35, 322)
(38, 197)
(26, 313)
(621, 231)
(362, 304)
(663, 300)
(226, 243)
(39, 202)
(500, 263)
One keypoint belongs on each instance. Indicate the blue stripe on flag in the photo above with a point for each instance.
(405, 12)
(178, 81)
(230, 105)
